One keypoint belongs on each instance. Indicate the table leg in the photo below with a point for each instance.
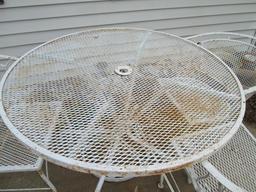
(161, 183)
(100, 184)
(163, 178)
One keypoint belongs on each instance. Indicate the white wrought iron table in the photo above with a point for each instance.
(121, 102)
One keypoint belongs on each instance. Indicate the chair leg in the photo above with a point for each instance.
(100, 184)
(161, 183)
(46, 179)
(189, 179)
(194, 178)
(174, 181)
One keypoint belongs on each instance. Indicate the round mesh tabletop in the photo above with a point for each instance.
(239, 53)
(121, 102)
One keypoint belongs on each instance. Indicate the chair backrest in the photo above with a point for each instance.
(5, 62)
(237, 51)
(14, 157)
(223, 35)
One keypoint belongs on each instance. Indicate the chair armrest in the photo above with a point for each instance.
(221, 178)
(249, 92)
(8, 57)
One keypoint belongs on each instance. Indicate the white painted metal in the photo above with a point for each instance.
(163, 178)
(15, 157)
(174, 181)
(222, 35)
(110, 178)
(160, 185)
(232, 168)
(100, 184)
(7, 57)
(93, 120)
(237, 50)
(222, 179)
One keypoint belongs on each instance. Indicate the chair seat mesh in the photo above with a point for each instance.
(13, 155)
(236, 161)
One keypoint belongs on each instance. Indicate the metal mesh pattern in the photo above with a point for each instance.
(240, 56)
(236, 161)
(205, 181)
(13, 155)
(118, 101)
(223, 35)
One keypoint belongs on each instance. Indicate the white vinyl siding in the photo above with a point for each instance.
(25, 24)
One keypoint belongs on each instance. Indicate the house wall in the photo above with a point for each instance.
(25, 24)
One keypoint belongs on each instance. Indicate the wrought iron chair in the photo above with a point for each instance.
(223, 35)
(15, 157)
(236, 50)
(233, 168)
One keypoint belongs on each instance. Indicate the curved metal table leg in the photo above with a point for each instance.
(100, 184)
